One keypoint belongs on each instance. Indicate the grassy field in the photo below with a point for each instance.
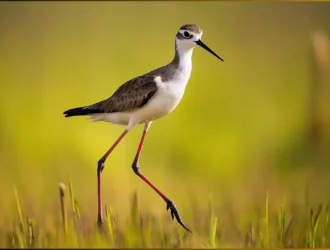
(245, 156)
(262, 220)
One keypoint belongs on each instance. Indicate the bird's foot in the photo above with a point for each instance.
(99, 220)
(174, 213)
(100, 225)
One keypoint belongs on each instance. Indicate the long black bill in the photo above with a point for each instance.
(203, 45)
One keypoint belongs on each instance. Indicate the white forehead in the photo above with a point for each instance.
(195, 35)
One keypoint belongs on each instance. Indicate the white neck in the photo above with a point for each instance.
(183, 60)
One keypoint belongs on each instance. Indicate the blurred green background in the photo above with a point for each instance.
(259, 121)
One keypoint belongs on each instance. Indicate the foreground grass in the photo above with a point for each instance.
(283, 227)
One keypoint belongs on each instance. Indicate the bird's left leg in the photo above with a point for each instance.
(137, 171)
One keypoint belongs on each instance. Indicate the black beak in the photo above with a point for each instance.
(203, 45)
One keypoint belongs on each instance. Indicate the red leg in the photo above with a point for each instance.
(137, 171)
(100, 167)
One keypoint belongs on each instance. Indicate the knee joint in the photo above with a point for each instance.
(135, 166)
(100, 166)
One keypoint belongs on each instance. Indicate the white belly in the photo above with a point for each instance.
(166, 99)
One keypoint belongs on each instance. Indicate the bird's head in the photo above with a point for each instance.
(189, 36)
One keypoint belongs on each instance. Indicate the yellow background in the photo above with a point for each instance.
(241, 123)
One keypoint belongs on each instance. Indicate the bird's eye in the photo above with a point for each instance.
(186, 34)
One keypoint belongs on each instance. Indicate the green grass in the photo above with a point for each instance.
(269, 227)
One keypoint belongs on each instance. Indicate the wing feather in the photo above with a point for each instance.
(131, 95)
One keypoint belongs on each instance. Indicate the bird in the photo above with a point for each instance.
(143, 100)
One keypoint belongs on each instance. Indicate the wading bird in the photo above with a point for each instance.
(144, 99)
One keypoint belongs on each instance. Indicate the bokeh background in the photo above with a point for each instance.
(257, 123)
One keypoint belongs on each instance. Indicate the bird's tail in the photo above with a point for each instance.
(80, 111)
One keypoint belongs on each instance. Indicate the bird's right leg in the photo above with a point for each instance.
(100, 167)
(137, 171)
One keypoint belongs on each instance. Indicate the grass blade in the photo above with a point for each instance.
(63, 211)
(19, 210)
(214, 233)
(73, 205)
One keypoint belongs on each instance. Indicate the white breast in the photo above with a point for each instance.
(169, 94)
